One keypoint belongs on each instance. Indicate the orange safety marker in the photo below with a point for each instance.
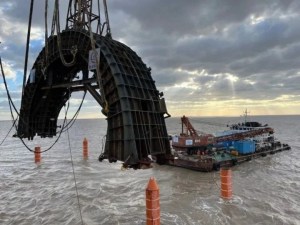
(37, 154)
(226, 184)
(152, 203)
(85, 149)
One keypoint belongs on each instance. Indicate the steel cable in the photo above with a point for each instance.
(73, 170)
(27, 45)
(8, 132)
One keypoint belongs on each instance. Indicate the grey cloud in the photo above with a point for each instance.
(211, 35)
(169, 77)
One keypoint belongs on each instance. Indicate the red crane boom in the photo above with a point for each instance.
(190, 130)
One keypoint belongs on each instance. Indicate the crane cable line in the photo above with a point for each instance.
(208, 123)
(46, 34)
(74, 118)
(27, 45)
(55, 16)
(74, 176)
(56, 24)
(98, 61)
(8, 132)
(6, 88)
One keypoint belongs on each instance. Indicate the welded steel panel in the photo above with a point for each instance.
(135, 118)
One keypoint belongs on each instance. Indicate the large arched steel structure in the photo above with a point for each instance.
(132, 104)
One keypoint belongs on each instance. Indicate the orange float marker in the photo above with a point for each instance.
(226, 184)
(85, 150)
(37, 154)
(152, 203)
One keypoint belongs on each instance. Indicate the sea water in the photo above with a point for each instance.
(265, 190)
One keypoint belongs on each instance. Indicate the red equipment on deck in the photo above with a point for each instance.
(190, 138)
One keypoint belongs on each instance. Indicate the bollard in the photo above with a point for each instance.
(85, 149)
(152, 203)
(226, 184)
(37, 154)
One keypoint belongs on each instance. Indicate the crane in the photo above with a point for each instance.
(190, 130)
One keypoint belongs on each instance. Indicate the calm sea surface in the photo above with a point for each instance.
(266, 190)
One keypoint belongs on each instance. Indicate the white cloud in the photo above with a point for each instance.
(9, 71)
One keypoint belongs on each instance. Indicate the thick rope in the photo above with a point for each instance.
(57, 26)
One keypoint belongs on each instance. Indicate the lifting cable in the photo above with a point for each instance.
(10, 102)
(6, 88)
(55, 17)
(56, 24)
(46, 33)
(27, 46)
(72, 121)
(208, 123)
(73, 170)
(8, 132)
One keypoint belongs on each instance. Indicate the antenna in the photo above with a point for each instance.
(246, 115)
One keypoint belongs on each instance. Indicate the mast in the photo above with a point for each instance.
(108, 31)
(246, 115)
(80, 15)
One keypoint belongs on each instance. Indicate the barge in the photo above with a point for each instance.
(207, 152)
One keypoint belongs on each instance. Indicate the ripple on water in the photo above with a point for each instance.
(265, 191)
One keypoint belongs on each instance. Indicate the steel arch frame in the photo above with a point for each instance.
(136, 124)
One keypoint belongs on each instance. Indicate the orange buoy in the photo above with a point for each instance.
(37, 154)
(152, 203)
(85, 149)
(226, 184)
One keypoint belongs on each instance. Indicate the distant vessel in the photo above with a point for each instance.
(207, 152)
(246, 125)
(263, 135)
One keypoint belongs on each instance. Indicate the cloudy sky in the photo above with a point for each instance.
(209, 57)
